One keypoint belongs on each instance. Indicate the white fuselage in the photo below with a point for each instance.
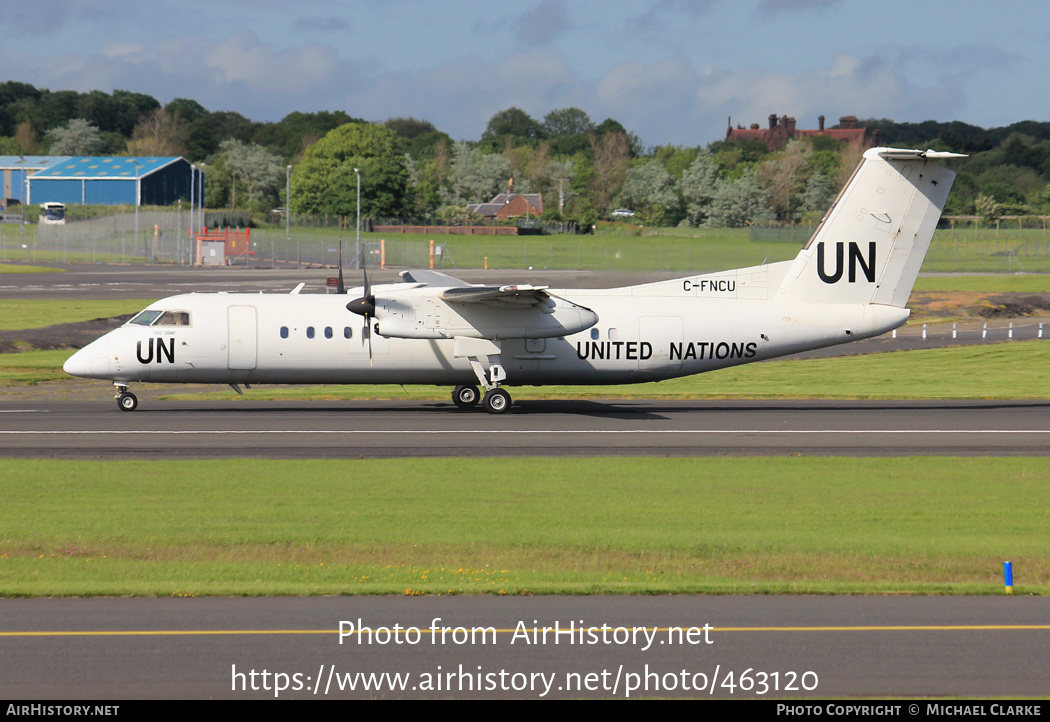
(643, 333)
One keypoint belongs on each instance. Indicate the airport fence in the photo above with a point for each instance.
(153, 236)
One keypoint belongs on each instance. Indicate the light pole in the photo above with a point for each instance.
(138, 198)
(288, 204)
(25, 188)
(358, 214)
(193, 187)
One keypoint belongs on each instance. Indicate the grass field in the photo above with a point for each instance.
(986, 283)
(19, 268)
(36, 313)
(524, 526)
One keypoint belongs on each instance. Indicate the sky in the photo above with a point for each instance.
(671, 71)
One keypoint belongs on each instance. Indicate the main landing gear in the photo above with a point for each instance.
(479, 351)
(465, 396)
(495, 400)
(126, 400)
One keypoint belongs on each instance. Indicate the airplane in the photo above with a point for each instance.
(850, 281)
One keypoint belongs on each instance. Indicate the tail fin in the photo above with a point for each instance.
(871, 243)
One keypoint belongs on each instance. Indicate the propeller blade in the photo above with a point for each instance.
(363, 306)
(341, 288)
(366, 305)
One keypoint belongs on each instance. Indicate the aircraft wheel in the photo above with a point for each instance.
(496, 401)
(127, 402)
(466, 396)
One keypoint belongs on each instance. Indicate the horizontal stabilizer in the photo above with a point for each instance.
(902, 154)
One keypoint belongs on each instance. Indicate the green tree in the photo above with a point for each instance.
(783, 176)
(409, 128)
(649, 189)
(698, 186)
(988, 208)
(118, 113)
(476, 176)
(612, 154)
(513, 122)
(325, 182)
(294, 133)
(190, 111)
(674, 158)
(207, 132)
(77, 137)
(160, 133)
(567, 121)
(429, 145)
(816, 199)
(261, 172)
(569, 131)
(739, 203)
(56, 109)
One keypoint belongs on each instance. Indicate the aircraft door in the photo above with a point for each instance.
(656, 335)
(243, 342)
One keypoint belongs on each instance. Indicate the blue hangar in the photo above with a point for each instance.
(116, 180)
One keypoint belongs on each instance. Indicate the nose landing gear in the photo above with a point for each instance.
(126, 400)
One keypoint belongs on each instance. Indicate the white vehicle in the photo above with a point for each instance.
(851, 281)
(52, 214)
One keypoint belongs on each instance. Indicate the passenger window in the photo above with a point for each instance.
(309, 331)
(594, 334)
(328, 332)
(347, 332)
(284, 332)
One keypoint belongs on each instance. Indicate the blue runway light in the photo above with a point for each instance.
(1008, 577)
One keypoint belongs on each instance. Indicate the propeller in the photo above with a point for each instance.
(365, 306)
(340, 289)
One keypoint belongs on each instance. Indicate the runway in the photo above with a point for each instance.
(720, 647)
(394, 429)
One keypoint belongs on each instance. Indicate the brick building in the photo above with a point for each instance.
(783, 129)
(510, 205)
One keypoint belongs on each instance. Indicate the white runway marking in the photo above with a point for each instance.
(448, 432)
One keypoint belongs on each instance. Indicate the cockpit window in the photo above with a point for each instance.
(162, 318)
(145, 318)
(173, 318)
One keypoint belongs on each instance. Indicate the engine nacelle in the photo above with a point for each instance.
(397, 328)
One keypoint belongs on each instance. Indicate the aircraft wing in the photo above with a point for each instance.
(458, 291)
(523, 295)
